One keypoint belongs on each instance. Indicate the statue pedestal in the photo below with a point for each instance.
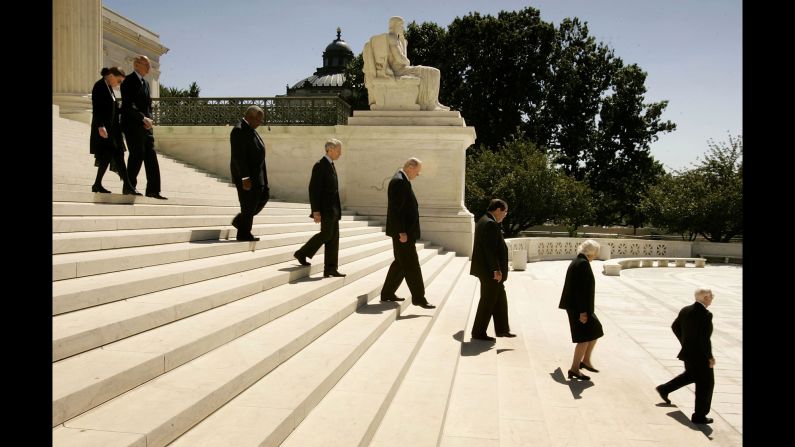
(406, 118)
(377, 143)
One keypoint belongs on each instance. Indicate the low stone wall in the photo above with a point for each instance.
(557, 248)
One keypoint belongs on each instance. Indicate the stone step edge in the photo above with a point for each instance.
(353, 303)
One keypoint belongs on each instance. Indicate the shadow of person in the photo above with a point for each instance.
(476, 347)
(682, 418)
(575, 386)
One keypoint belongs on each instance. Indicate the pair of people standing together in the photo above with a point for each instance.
(134, 121)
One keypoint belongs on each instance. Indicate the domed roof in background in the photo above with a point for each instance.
(331, 75)
(339, 45)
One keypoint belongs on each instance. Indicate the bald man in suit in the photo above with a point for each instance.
(403, 225)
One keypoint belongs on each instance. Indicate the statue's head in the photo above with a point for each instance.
(396, 25)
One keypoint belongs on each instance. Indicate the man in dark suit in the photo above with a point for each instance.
(403, 225)
(324, 197)
(137, 124)
(693, 328)
(249, 172)
(490, 265)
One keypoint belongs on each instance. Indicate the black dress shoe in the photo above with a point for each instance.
(157, 196)
(663, 396)
(589, 368)
(392, 298)
(702, 421)
(131, 192)
(247, 238)
(483, 337)
(99, 188)
(426, 305)
(301, 259)
(506, 334)
(334, 273)
(574, 375)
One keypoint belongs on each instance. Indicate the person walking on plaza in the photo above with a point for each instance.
(578, 300)
(324, 198)
(106, 140)
(693, 329)
(490, 265)
(249, 172)
(137, 125)
(403, 225)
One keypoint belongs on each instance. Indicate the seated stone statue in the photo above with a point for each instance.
(392, 82)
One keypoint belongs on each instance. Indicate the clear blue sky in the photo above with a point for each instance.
(691, 49)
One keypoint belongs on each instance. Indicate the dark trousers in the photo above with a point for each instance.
(118, 159)
(251, 203)
(703, 376)
(406, 265)
(142, 151)
(493, 303)
(330, 237)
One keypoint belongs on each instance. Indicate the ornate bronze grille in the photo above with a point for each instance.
(279, 111)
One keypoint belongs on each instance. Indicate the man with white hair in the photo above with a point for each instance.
(693, 328)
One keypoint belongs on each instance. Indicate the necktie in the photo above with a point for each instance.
(333, 169)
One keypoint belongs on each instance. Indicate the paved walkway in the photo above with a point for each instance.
(638, 352)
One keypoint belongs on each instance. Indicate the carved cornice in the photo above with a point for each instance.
(125, 33)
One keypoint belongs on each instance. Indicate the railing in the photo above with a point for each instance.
(279, 111)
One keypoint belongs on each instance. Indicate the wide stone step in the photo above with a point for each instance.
(165, 407)
(75, 265)
(224, 199)
(79, 293)
(79, 331)
(86, 380)
(266, 412)
(65, 224)
(367, 388)
(417, 412)
(105, 240)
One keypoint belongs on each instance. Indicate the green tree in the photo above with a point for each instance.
(494, 71)
(518, 173)
(672, 203)
(175, 92)
(581, 72)
(354, 81)
(706, 199)
(620, 167)
(575, 205)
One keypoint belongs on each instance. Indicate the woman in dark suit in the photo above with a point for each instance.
(578, 300)
(106, 138)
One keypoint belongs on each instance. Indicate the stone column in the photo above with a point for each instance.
(76, 55)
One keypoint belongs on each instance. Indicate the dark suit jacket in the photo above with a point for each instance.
(324, 194)
(693, 328)
(403, 212)
(136, 103)
(105, 114)
(489, 252)
(578, 288)
(248, 156)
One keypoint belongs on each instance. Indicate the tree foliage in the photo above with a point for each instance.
(525, 177)
(175, 92)
(705, 200)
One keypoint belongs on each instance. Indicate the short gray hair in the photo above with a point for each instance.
(701, 292)
(251, 110)
(331, 143)
(589, 248)
(413, 161)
